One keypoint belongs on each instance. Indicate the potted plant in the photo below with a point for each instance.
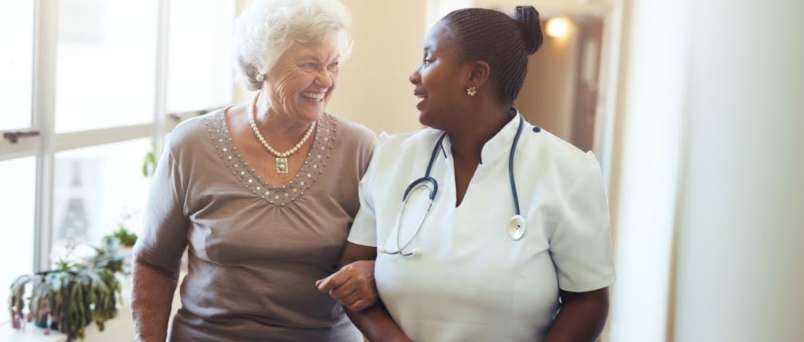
(124, 237)
(71, 296)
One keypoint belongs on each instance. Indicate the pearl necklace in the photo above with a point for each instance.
(281, 157)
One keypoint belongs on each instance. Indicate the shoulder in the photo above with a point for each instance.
(352, 133)
(398, 154)
(192, 133)
(394, 151)
(567, 161)
(409, 142)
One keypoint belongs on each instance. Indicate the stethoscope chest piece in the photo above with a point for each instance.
(516, 229)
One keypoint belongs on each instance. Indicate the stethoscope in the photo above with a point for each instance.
(515, 229)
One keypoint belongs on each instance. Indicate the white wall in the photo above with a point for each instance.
(710, 172)
(647, 143)
(741, 219)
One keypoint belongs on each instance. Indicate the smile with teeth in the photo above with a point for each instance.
(314, 96)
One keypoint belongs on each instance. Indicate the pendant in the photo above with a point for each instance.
(282, 165)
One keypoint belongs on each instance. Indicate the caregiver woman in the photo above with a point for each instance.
(515, 246)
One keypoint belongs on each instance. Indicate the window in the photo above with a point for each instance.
(106, 63)
(17, 168)
(96, 189)
(84, 85)
(16, 63)
(200, 69)
(17, 176)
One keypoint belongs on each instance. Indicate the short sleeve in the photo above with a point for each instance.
(165, 230)
(364, 227)
(580, 245)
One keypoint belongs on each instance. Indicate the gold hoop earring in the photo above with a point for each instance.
(471, 91)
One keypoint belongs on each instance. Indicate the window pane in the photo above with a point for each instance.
(18, 181)
(106, 63)
(96, 190)
(16, 63)
(200, 69)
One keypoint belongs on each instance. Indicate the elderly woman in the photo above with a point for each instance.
(503, 235)
(260, 195)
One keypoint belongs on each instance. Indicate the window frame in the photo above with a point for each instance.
(41, 141)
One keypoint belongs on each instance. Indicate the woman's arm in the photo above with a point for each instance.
(374, 322)
(582, 316)
(151, 300)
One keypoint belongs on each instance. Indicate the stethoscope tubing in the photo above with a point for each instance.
(427, 179)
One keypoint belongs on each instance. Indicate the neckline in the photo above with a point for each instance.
(314, 163)
(498, 145)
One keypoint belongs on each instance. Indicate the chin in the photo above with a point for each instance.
(426, 119)
(310, 114)
(313, 116)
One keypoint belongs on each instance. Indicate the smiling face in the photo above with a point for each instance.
(302, 81)
(440, 80)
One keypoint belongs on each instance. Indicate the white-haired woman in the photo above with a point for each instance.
(261, 195)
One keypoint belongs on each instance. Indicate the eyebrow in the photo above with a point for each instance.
(315, 58)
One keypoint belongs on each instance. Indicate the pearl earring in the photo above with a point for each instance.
(471, 91)
(259, 77)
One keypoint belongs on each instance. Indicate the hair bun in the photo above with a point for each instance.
(528, 20)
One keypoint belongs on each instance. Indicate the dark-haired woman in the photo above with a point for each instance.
(502, 233)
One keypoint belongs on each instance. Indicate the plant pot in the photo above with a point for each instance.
(42, 323)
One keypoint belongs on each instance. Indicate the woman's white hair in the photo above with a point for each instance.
(267, 28)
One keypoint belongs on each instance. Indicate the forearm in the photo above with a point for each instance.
(376, 324)
(581, 319)
(151, 301)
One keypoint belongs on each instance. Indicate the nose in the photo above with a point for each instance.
(325, 79)
(415, 78)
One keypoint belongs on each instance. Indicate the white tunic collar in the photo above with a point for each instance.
(499, 145)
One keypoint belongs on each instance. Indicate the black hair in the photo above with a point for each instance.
(502, 41)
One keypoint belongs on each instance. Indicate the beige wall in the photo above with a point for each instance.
(373, 88)
(549, 8)
(548, 96)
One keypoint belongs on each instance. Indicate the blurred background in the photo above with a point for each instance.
(694, 108)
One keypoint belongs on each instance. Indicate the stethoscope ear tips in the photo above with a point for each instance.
(516, 229)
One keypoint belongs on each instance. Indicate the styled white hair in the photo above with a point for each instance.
(268, 27)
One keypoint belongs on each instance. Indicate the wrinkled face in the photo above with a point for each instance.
(440, 79)
(301, 82)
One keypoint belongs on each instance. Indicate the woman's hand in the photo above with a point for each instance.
(352, 286)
